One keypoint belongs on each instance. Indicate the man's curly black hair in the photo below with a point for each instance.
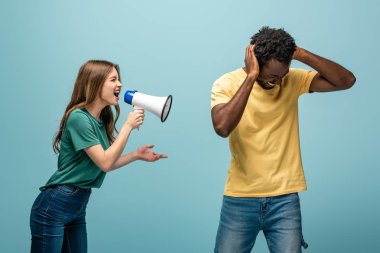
(273, 43)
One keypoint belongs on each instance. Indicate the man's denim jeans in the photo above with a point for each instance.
(278, 217)
(57, 220)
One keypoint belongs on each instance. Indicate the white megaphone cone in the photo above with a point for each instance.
(160, 106)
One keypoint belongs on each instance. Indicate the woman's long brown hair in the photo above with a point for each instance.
(88, 86)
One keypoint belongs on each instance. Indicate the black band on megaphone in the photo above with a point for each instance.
(169, 100)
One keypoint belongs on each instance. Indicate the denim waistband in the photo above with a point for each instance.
(73, 187)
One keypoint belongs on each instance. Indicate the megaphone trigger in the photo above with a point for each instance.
(136, 108)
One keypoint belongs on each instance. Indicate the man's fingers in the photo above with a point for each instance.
(247, 51)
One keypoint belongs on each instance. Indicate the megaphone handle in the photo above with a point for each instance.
(136, 108)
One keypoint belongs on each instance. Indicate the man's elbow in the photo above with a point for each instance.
(219, 122)
(349, 81)
(352, 80)
(221, 131)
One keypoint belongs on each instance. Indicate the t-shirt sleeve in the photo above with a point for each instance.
(81, 131)
(302, 78)
(221, 91)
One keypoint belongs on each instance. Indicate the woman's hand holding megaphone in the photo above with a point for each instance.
(135, 119)
(145, 154)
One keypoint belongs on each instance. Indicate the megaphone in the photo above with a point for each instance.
(160, 106)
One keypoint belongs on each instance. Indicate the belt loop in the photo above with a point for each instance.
(304, 244)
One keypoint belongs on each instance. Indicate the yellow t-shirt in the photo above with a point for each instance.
(265, 148)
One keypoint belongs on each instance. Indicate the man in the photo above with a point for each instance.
(257, 108)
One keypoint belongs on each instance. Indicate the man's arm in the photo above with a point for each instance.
(225, 117)
(331, 76)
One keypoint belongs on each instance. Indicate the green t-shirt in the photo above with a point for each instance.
(75, 167)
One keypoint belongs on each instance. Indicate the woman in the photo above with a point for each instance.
(87, 150)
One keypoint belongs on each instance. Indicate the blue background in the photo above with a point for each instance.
(181, 48)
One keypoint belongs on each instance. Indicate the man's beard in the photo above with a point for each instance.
(265, 85)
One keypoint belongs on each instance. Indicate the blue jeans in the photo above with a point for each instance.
(57, 220)
(242, 219)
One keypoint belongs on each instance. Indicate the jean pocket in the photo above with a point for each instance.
(39, 199)
(67, 189)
